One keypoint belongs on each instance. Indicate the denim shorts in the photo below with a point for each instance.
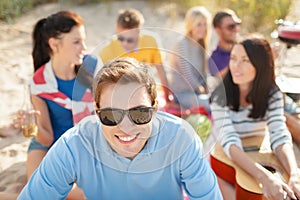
(34, 144)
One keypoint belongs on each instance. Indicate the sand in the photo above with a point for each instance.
(16, 66)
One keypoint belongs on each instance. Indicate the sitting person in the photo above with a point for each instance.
(226, 24)
(189, 61)
(251, 105)
(130, 42)
(129, 150)
(60, 87)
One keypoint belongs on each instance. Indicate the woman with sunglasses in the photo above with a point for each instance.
(188, 60)
(248, 103)
(129, 150)
(130, 42)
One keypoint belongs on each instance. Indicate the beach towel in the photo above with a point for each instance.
(44, 84)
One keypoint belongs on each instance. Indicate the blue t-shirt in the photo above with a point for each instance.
(218, 60)
(171, 161)
(61, 118)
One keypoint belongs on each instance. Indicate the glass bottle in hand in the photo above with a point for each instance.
(29, 123)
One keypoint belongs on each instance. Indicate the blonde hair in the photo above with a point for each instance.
(192, 18)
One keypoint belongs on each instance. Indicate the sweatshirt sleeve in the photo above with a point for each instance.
(198, 179)
(226, 133)
(55, 176)
(279, 133)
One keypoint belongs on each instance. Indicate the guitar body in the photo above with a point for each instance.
(247, 188)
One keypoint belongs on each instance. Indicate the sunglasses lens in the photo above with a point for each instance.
(141, 115)
(128, 40)
(121, 39)
(111, 117)
(232, 26)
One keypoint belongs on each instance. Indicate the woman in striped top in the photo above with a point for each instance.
(249, 103)
(188, 60)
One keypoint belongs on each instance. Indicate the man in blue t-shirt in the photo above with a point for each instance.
(226, 24)
(129, 150)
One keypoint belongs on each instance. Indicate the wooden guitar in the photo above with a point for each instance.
(247, 188)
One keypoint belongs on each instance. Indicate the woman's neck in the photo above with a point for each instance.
(62, 70)
(244, 91)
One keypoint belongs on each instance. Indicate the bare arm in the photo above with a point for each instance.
(273, 187)
(45, 132)
(293, 124)
(287, 158)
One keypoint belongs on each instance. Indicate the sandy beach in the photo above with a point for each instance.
(16, 65)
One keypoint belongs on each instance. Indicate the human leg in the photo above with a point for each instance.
(34, 158)
(36, 153)
(8, 196)
(227, 190)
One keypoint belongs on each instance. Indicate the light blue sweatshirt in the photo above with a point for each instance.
(171, 161)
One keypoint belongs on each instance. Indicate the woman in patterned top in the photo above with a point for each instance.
(60, 93)
(188, 60)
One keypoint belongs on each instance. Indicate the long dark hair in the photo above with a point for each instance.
(52, 27)
(260, 55)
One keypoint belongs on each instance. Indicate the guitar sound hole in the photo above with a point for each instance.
(269, 168)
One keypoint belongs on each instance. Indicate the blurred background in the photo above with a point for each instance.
(257, 15)
(165, 17)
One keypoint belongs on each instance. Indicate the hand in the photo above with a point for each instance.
(168, 95)
(294, 183)
(20, 116)
(275, 189)
(202, 90)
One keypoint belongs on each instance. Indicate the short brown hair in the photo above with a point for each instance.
(130, 18)
(123, 71)
(217, 20)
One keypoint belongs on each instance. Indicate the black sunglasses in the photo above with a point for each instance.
(128, 40)
(231, 27)
(113, 116)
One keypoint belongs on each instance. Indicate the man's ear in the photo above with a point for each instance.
(218, 30)
(53, 43)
